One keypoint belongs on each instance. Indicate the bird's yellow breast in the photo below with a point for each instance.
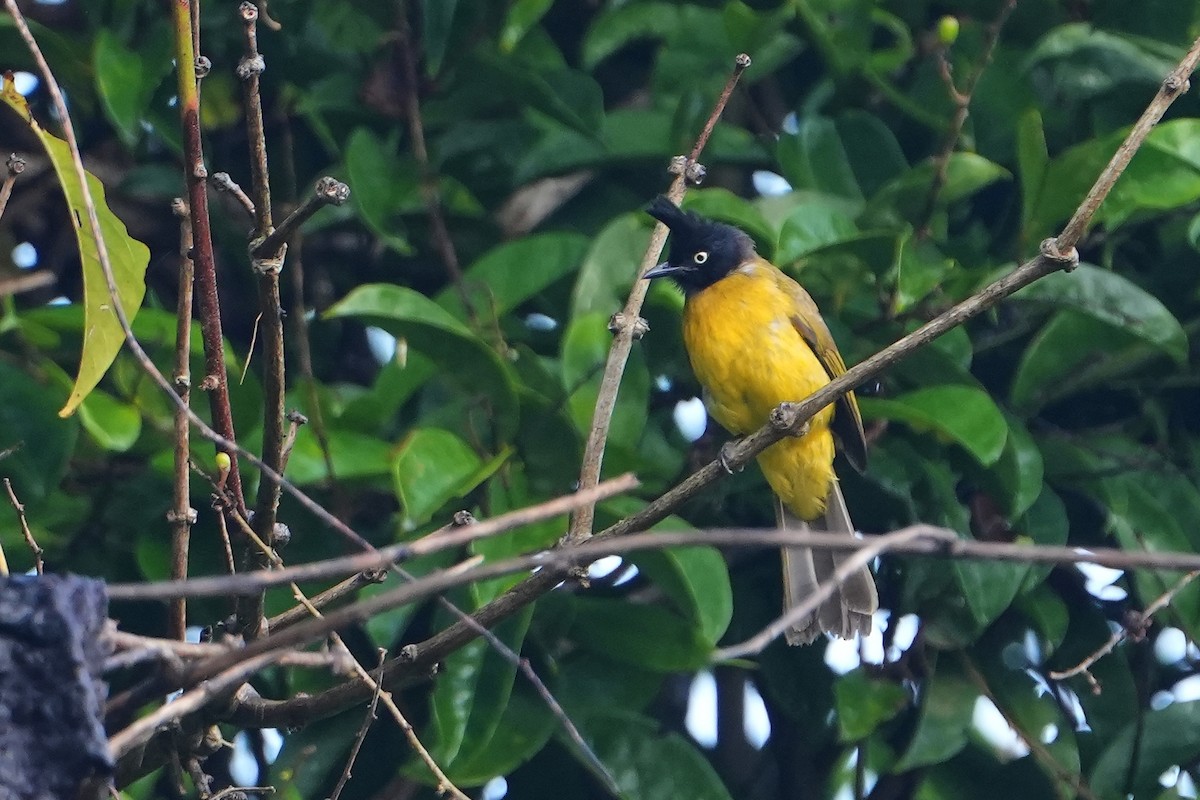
(749, 357)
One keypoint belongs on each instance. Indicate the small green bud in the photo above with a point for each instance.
(947, 30)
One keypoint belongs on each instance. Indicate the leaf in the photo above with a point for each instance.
(617, 25)
(355, 456)
(524, 727)
(647, 636)
(647, 764)
(813, 158)
(1033, 160)
(381, 187)
(946, 711)
(610, 266)
(522, 15)
(114, 425)
(511, 273)
(1077, 61)
(919, 268)
(814, 225)
(432, 467)
(430, 330)
(697, 580)
(864, 703)
(1019, 471)
(1115, 300)
(438, 17)
(1062, 357)
(1146, 747)
(43, 442)
(989, 588)
(872, 149)
(585, 349)
(103, 335)
(963, 414)
(126, 79)
(904, 197)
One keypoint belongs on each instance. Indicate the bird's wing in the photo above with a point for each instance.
(847, 419)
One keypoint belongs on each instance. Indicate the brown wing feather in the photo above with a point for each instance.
(847, 419)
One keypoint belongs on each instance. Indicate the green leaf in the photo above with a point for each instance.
(946, 712)
(473, 688)
(919, 268)
(989, 588)
(432, 467)
(1062, 359)
(1150, 744)
(429, 329)
(438, 17)
(648, 764)
(525, 725)
(103, 336)
(815, 224)
(874, 153)
(1082, 62)
(617, 25)
(864, 703)
(697, 580)
(963, 414)
(610, 266)
(1115, 300)
(522, 15)
(584, 353)
(647, 636)
(512, 272)
(1019, 471)
(113, 424)
(355, 456)
(120, 79)
(43, 442)
(903, 198)
(381, 187)
(1033, 160)
(813, 158)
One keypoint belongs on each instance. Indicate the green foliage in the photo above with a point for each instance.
(1065, 416)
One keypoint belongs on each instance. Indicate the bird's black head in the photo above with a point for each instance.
(702, 251)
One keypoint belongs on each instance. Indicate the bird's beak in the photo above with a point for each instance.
(663, 270)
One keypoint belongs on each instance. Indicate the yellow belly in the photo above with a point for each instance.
(749, 358)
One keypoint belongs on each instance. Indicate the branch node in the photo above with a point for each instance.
(678, 165)
(617, 323)
(271, 265)
(695, 173)
(251, 66)
(1050, 250)
(408, 653)
(296, 417)
(179, 208)
(199, 171)
(728, 459)
(1176, 84)
(182, 381)
(281, 535)
(248, 11)
(332, 191)
(15, 164)
(462, 519)
(784, 418)
(202, 66)
(742, 61)
(190, 516)
(210, 383)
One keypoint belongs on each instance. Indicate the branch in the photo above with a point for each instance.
(327, 192)
(14, 166)
(962, 108)
(182, 516)
(629, 325)
(190, 68)
(1134, 625)
(34, 547)
(252, 582)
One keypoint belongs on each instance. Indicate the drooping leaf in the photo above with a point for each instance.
(103, 334)
(946, 711)
(864, 703)
(432, 466)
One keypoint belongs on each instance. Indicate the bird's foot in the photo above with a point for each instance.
(783, 418)
(728, 455)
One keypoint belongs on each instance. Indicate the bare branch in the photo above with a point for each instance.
(628, 324)
(182, 516)
(14, 166)
(19, 507)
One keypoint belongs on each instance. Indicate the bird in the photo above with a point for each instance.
(756, 339)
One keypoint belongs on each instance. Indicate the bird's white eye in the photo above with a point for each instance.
(700, 257)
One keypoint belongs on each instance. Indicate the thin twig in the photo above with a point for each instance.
(182, 516)
(1135, 624)
(225, 184)
(628, 326)
(327, 192)
(430, 192)
(30, 542)
(267, 265)
(14, 166)
(249, 582)
(368, 718)
(140, 731)
(962, 108)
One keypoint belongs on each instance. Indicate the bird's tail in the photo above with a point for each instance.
(848, 610)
